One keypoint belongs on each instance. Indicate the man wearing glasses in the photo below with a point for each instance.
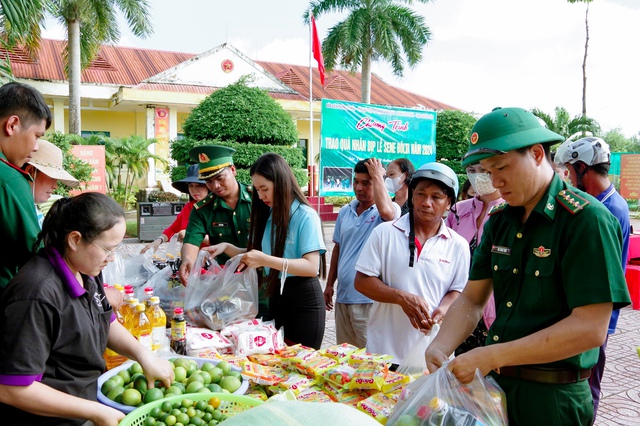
(224, 213)
(552, 256)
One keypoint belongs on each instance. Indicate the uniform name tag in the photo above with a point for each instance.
(501, 250)
(220, 224)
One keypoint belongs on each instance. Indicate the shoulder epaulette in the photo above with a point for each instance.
(206, 200)
(497, 208)
(571, 201)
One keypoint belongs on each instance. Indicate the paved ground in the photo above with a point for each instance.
(620, 404)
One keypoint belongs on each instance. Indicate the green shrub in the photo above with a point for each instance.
(241, 113)
(162, 197)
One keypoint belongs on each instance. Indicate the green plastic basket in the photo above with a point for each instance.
(230, 405)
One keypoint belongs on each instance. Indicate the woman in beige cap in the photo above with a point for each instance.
(45, 167)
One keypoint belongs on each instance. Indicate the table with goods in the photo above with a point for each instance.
(227, 363)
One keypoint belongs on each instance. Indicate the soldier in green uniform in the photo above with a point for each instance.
(24, 117)
(224, 214)
(552, 255)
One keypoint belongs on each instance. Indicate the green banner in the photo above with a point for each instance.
(351, 132)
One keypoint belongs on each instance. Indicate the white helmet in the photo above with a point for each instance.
(589, 150)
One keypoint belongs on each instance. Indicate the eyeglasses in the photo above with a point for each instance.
(109, 253)
(483, 151)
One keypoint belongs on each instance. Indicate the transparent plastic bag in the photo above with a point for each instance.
(415, 364)
(218, 297)
(440, 399)
(167, 286)
(113, 273)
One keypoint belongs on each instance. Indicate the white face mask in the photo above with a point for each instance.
(481, 183)
(394, 185)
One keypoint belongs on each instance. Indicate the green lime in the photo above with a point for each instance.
(150, 421)
(207, 417)
(217, 415)
(183, 418)
(194, 386)
(161, 424)
(203, 389)
(180, 373)
(108, 386)
(230, 383)
(186, 403)
(175, 412)
(166, 406)
(191, 367)
(140, 384)
(216, 374)
(153, 394)
(136, 368)
(180, 386)
(206, 366)
(196, 377)
(170, 420)
(213, 422)
(118, 379)
(173, 390)
(201, 405)
(206, 377)
(156, 412)
(131, 397)
(225, 367)
(235, 374)
(115, 392)
(214, 387)
(191, 412)
(125, 375)
(196, 421)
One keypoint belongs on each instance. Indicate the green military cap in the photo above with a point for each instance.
(503, 130)
(211, 159)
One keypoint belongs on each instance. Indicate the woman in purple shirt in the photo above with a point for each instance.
(468, 219)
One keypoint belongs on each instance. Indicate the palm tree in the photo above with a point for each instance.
(19, 25)
(374, 30)
(128, 156)
(564, 125)
(89, 24)
(584, 59)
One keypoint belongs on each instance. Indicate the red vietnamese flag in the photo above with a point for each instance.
(317, 50)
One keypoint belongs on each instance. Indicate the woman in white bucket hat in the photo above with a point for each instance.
(45, 167)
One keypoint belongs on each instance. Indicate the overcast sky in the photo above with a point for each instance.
(482, 53)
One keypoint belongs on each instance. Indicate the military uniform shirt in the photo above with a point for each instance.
(566, 255)
(19, 226)
(212, 216)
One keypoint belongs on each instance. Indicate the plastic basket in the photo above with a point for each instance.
(127, 408)
(230, 405)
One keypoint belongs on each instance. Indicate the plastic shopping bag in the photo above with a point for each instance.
(221, 297)
(415, 364)
(167, 286)
(113, 273)
(440, 399)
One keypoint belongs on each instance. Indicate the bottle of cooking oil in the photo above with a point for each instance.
(130, 314)
(112, 358)
(158, 324)
(141, 329)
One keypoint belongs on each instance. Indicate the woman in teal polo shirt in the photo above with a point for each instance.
(286, 239)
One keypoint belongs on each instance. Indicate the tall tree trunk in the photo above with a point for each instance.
(365, 79)
(584, 63)
(75, 71)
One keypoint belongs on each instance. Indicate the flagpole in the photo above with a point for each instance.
(310, 144)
